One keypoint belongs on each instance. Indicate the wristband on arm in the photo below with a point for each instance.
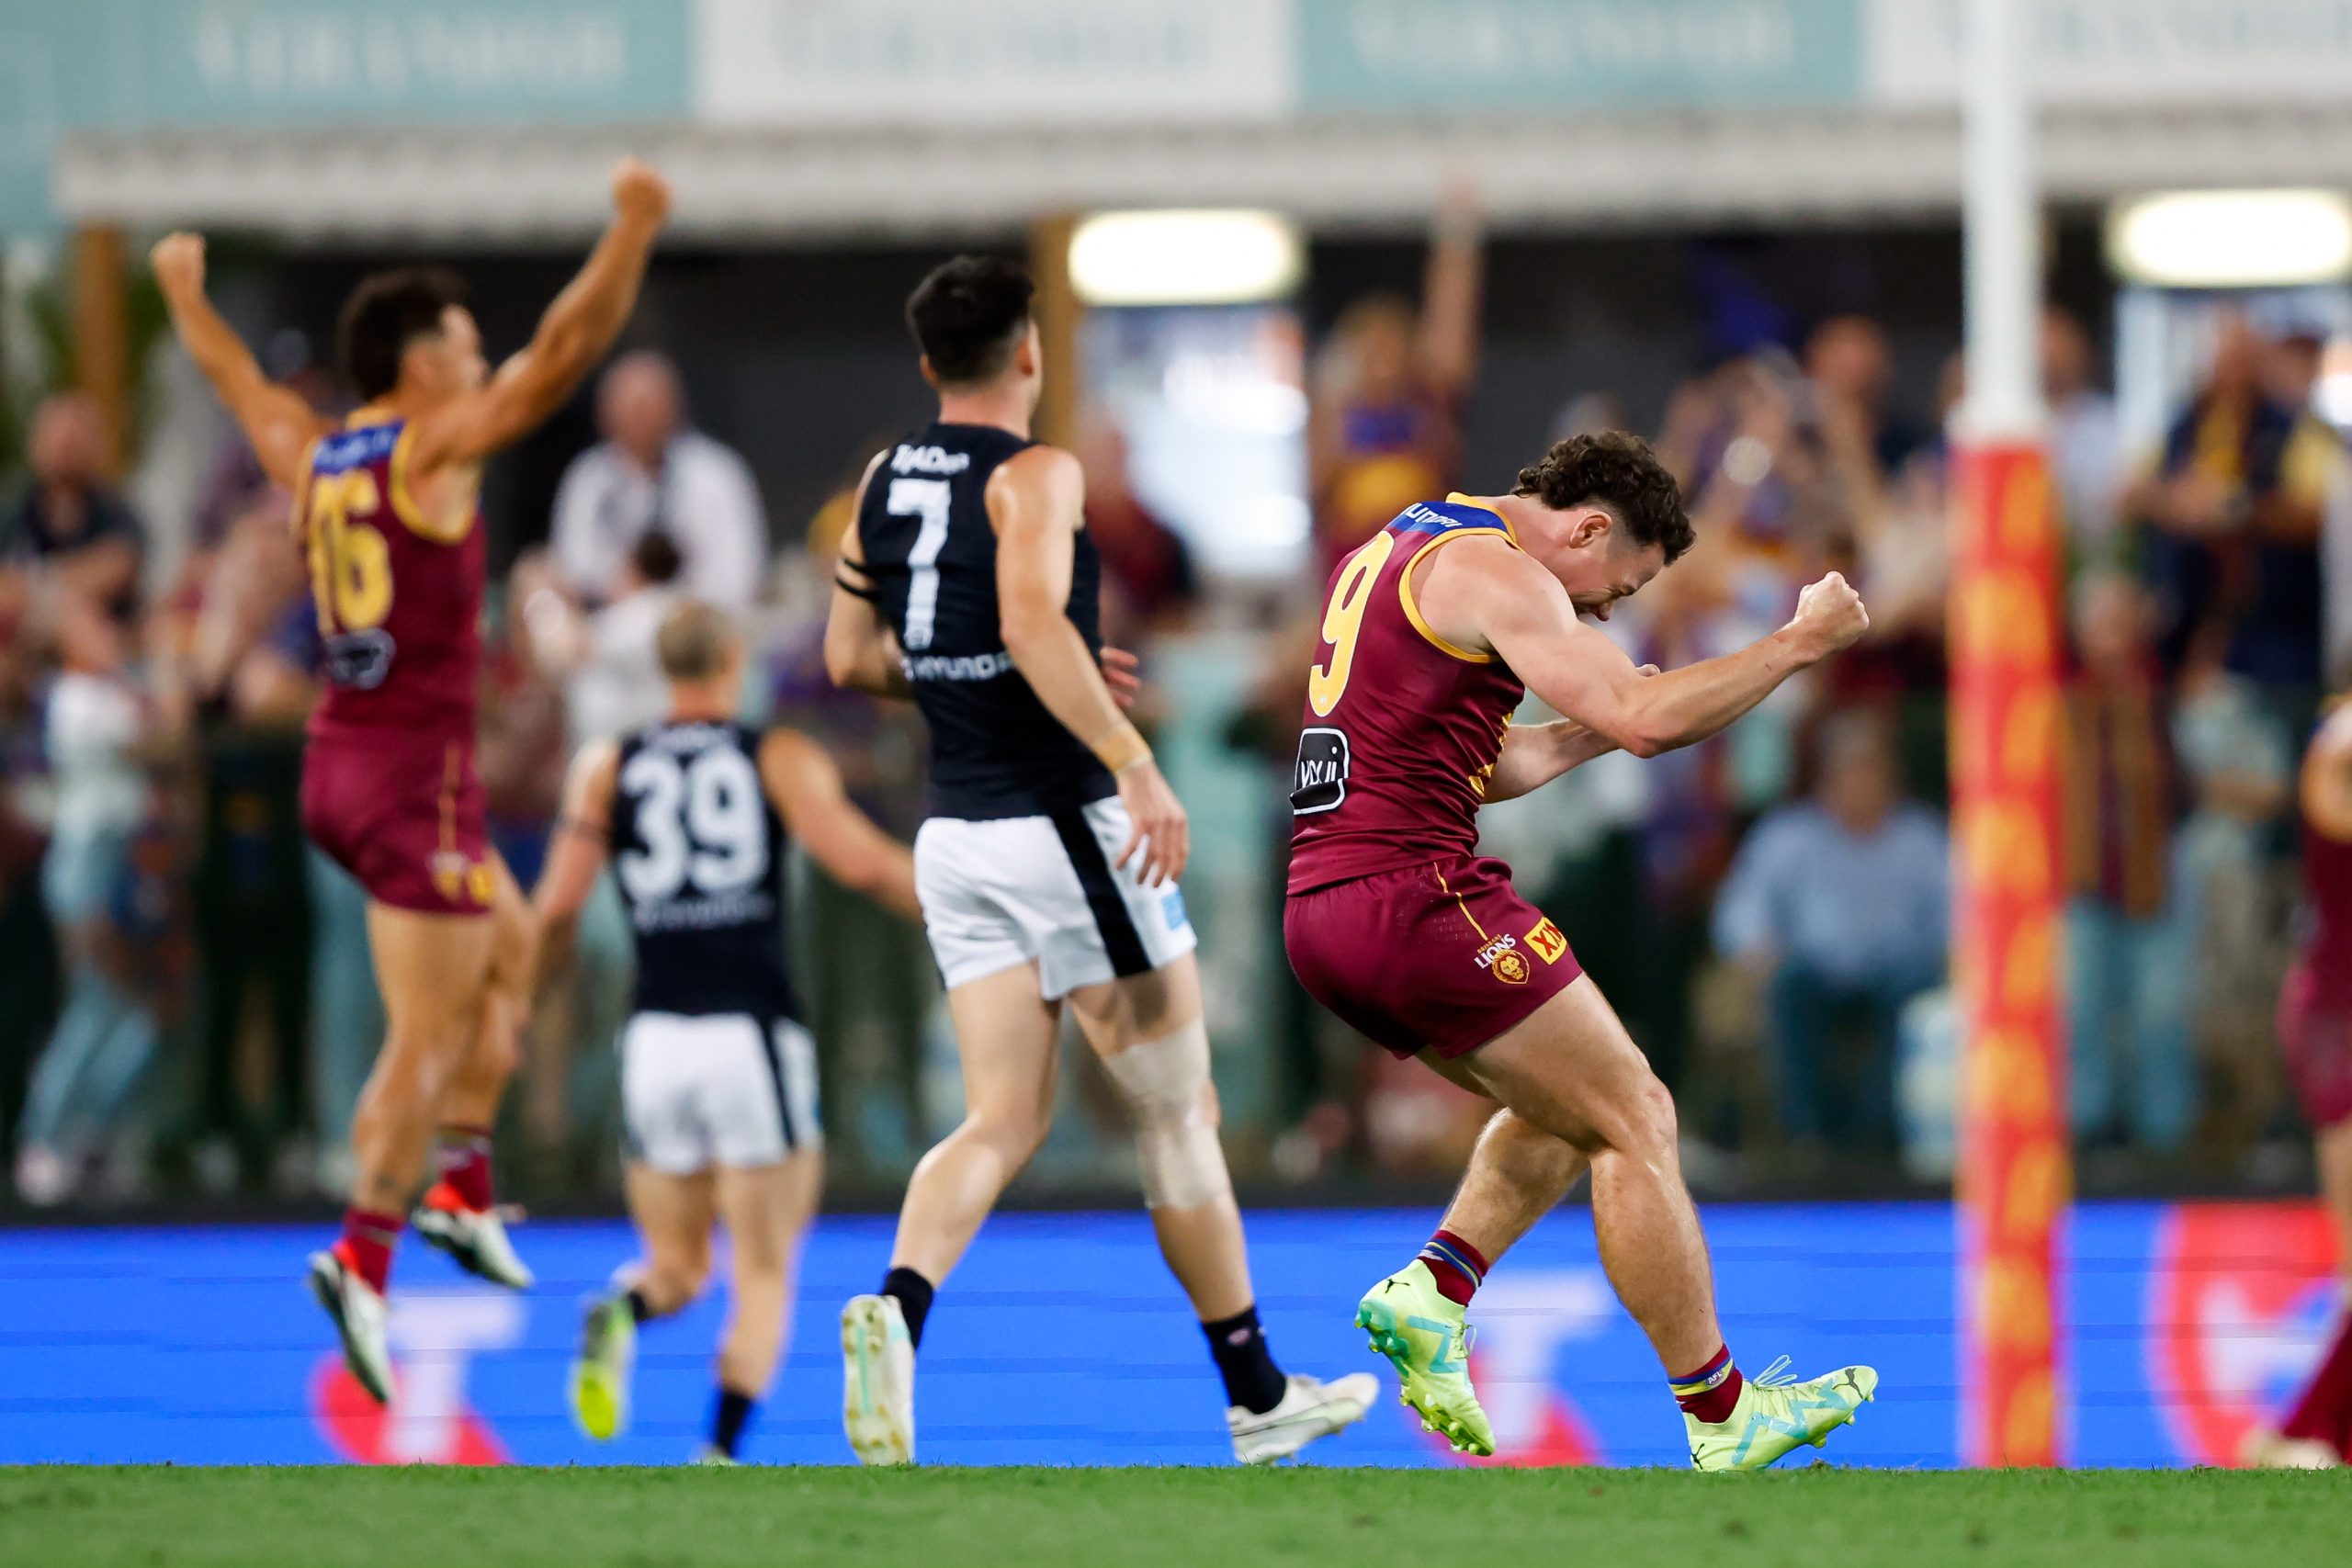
(1119, 748)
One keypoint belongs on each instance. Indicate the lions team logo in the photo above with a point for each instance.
(460, 880)
(1546, 942)
(1502, 959)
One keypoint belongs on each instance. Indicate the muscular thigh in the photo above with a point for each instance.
(1570, 1068)
(1004, 1036)
(514, 934)
(433, 970)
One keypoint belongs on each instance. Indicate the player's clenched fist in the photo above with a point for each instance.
(179, 261)
(1830, 616)
(640, 192)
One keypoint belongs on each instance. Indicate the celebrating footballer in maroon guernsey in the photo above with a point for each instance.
(1394, 921)
(389, 788)
(1434, 631)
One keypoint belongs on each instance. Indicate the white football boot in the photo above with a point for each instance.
(877, 1381)
(359, 1317)
(1310, 1408)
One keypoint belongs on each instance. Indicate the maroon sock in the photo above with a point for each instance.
(463, 1161)
(1709, 1394)
(366, 1244)
(1459, 1267)
(2324, 1412)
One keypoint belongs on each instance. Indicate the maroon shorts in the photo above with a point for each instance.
(1440, 955)
(404, 814)
(2318, 1041)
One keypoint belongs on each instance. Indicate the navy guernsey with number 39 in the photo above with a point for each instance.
(930, 551)
(699, 853)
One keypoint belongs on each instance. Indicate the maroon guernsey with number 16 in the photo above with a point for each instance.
(388, 786)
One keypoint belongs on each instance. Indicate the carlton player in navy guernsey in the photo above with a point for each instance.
(718, 1080)
(1047, 867)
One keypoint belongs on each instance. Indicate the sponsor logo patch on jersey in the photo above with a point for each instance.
(913, 459)
(1546, 942)
(1502, 959)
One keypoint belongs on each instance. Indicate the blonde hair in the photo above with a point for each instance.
(696, 640)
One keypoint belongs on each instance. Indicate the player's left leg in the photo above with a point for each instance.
(1570, 1069)
(2318, 1431)
(1148, 1031)
(673, 1213)
(1005, 1035)
(765, 1209)
(458, 1213)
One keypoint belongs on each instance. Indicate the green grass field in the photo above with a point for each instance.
(977, 1519)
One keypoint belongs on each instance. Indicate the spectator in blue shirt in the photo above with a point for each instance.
(1838, 903)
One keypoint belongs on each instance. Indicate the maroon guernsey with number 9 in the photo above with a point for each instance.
(1394, 921)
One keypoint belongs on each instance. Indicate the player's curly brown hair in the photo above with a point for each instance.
(1617, 471)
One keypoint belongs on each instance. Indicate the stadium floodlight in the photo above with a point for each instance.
(2231, 239)
(1200, 258)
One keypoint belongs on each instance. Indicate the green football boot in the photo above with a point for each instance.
(1422, 1335)
(601, 1368)
(1777, 1414)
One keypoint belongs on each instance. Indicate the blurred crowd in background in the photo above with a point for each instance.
(185, 1003)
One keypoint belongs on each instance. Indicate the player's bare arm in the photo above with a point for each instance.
(860, 653)
(861, 656)
(2326, 785)
(806, 788)
(277, 420)
(1491, 597)
(573, 337)
(1036, 502)
(1535, 754)
(576, 858)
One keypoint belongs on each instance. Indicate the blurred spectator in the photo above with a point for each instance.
(1147, 577)
(1385, 430)
(68, 527)
(612, 677)
(2237, 760)
(2231, 519)
(651, 474)
(1850, 372)
(107, 1037)
(2126, 948)
(1766, 503)
(2086, 443)
(1840, 904)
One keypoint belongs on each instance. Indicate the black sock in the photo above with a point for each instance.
(638, 1310)
(913, 1294)
(1252, 1379)
(728, 1419)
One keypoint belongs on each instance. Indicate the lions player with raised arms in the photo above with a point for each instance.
(1048, 866)
(719, 1080)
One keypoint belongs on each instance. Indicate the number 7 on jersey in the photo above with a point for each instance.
(929, 500)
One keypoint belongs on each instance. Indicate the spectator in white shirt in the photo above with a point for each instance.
(651, 474)
(2085, 441)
